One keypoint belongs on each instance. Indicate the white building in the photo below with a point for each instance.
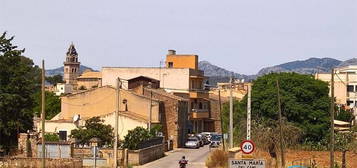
(63, 88)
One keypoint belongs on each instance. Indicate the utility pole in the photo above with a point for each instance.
(220, 113)
(43, 165)
(150, 110)
(248, 112)
(332, 107)
(280, 128)
(117, 103)
(230, 113)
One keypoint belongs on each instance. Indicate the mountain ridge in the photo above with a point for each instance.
(219, 74)
(59, 70)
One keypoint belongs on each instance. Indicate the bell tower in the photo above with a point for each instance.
(71, 67)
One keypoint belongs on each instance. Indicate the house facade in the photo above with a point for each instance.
(345, 86)
(180, 77)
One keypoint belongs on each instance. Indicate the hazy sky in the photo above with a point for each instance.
(242, 36)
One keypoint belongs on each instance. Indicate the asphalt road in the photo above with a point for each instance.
(196, 158)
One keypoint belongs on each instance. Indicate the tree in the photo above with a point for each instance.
(19, 79)
(135, 137)
(94, 127)
(304, 103)
(52, 104)
(53, 80)
(51, 137)
(345, 141)
(344, 115)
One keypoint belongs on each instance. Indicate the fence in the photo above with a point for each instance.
(151, 142)
(302, 163)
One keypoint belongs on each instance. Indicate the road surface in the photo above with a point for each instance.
(196, 159)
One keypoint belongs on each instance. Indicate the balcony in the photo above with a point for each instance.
(199, 113)
(195, 94)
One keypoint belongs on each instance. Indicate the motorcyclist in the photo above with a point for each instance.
(183, 162)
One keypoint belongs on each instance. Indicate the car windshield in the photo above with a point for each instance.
(192, 139)
(216, 138)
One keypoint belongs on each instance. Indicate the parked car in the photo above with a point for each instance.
(205, 139)
(216, 140)
(192, 142)
(208, 135)
(201, 138)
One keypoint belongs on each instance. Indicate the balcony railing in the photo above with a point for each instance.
(197, 115)
(199, 110)
(199, 94)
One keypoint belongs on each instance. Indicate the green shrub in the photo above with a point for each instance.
(52, 137)
(135, 136)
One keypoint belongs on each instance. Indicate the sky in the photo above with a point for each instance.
(242, 36)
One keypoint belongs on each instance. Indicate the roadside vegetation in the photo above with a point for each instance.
(19, 80)
(305, 105)
(140, 135)
(94, 128)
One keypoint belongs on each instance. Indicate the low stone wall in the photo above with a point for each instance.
(135, 157)
(145, 155)
(36, 162)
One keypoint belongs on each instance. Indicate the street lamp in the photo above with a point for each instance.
(94, 143)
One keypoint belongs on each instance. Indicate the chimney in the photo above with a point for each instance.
(172, 52)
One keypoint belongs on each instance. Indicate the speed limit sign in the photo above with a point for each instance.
(247, 146)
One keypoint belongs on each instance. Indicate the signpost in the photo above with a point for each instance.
(245, 163)
(247, 147)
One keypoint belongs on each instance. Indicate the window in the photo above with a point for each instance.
(349, 102)
(200, 105)
(63, 135)
(171, 64)
(350, 88)
(205, 106)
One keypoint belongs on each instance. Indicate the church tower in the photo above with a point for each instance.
(71, 67)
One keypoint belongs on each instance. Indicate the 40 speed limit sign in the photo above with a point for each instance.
(247, 146)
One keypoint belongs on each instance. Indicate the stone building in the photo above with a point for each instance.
(101, 102)
(174, 116)
(239, 89)
(89, 79)
(345, 87)
(180, 77)
(71, 67)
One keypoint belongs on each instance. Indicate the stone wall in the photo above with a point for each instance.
(215, 115)
(27, 150)
(135, 157)
(173, 116)
(36, 162)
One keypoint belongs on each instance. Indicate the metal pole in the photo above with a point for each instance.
(280, 128)
(43, 165)
(220, 113)
(230, 114)
(150, 110)
(95, 156)
(116, 124)
(332, 108)
(248, 112)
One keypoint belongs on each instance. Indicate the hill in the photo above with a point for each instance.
(218, 74)
(59, 71)
(309, 66)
